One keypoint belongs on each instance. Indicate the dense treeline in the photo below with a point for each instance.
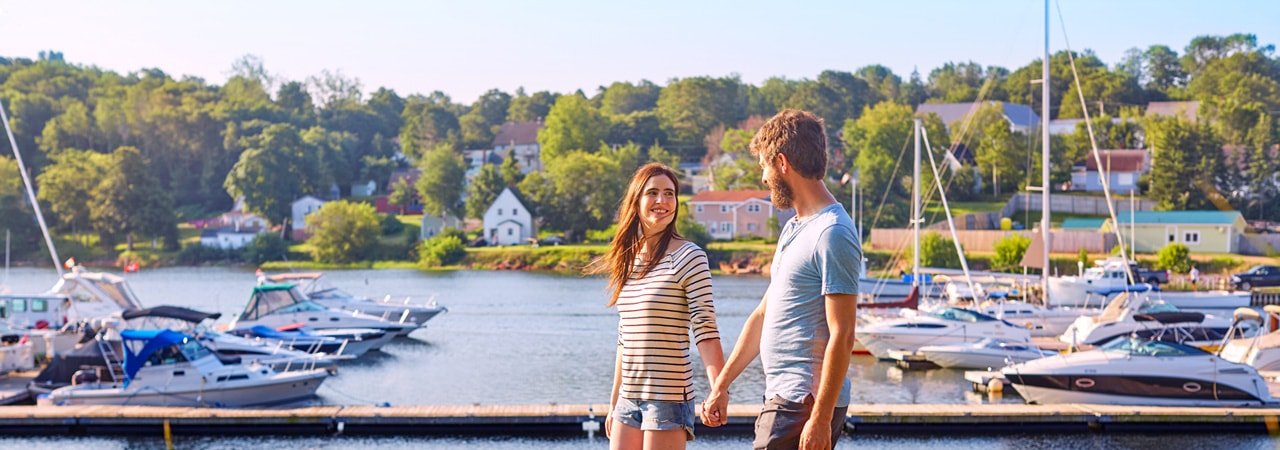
(127, 156)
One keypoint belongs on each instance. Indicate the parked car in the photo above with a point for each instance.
(1258, 276)
(552, 240)
(1152, 277)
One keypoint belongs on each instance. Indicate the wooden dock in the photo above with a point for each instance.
(568, 420)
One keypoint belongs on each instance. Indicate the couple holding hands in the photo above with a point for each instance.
(802, 329)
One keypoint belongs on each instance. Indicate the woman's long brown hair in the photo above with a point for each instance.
(619, 261)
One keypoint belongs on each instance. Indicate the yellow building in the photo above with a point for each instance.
(1201, 231)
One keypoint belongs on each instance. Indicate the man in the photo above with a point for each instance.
(803, 328)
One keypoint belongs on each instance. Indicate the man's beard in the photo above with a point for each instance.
(780, 193)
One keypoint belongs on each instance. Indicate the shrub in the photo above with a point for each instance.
(391, 224)
(691, 229)
(606, 235)
(266, 247)
(198, 254)
(1174, 257)
(1009, 252)
(442, 250)
(937, 251)
(343, 231)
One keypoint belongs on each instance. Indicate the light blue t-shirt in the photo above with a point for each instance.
(815, 256)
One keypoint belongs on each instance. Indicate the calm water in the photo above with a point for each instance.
(523, 338)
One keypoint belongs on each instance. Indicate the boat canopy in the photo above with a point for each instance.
(1108, 290)
(171, 312)
(141, 345)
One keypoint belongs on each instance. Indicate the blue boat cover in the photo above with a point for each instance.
(1140, 287)
(152, 341)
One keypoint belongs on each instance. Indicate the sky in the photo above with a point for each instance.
(465, 48)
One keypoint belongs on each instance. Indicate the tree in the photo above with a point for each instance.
(576, 193)
(572, 125)
(483, 190)
(274, 171)
(426, 125)
(442, 180)
(689, 108)
(331, 88)
(343, 231)
(1009, 252)
(622, 98)
(527, 108)
(690, 229)
(69, 184)
(130, 200)
(964, 82)
(875, 142)
(266, 247)
(1184, 157)
(402, 194)
(15, 215)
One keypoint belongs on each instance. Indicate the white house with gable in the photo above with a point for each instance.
(508, 221)
(301, 209)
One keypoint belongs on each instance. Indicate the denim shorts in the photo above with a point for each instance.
(655, 415)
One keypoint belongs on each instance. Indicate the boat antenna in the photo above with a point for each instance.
(31, 193)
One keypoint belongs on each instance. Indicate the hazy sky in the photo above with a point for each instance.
(466, 47)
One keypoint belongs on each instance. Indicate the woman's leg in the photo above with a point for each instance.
(665, 440)
(624, 437)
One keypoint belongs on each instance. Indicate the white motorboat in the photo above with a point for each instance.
(986, 354)
(1037, 319)
(351, 342)
(168, 368)
(1206, 299)
(1134, 371)
(1262, 351)
(1120, 318)
(282, 305)
(946, 326)
(94, 295)
(274, 354)
(317, 289)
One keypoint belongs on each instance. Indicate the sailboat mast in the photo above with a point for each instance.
(916, 216)
(31, 193)
(1044, 157)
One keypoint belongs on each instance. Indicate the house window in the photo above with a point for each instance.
(751, 227)
(724, 208)
(499, 211)
(1191, 237)
(514, 212)
(511, 231)
(724, 226)
(753, 208)
(1173, 238)
(699, 208)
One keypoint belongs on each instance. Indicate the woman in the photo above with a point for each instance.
(661, 285)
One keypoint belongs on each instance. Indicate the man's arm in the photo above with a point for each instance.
(841, 318)
(744, 351)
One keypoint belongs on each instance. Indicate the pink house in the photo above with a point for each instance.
(736, 214)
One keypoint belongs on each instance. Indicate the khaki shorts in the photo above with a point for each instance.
(781, 421)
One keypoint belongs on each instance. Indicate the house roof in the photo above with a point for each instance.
(1018, 114)
(1182, 217)
(517, 133)
(735, 196)
(1185, 109)
(1117, 160)
(305, 197)
(411, 174)
(1083, 223)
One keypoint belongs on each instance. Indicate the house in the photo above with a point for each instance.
(736, 214)
(1201, 231)
(1067, 126)
(1020, 117)
(1124, 168)
(232, 230)
(1188, 110)
(366, 189)
(508, 221)
(521, 138)
(301, 208)
(433, 225)
(382, 203)
(227, 238)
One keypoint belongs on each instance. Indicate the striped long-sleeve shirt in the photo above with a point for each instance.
(657, 311)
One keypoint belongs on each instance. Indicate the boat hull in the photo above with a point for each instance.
(283, 388)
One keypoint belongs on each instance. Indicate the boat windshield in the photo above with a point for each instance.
(1141, 347)
(1158, 307)
(962, 315)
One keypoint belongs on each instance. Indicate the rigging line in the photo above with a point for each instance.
(964, 263)
(1097, 156)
